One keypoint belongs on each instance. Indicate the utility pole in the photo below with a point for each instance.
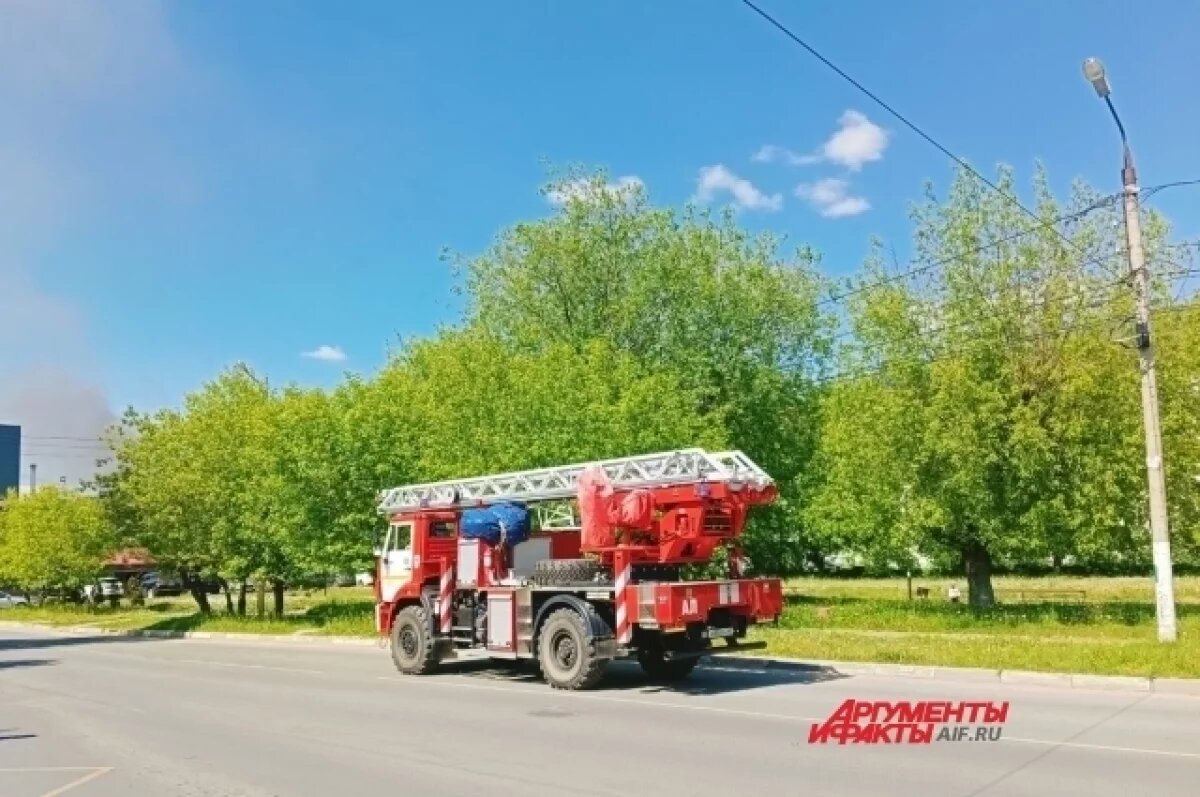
(1164, 587)
(32, 476)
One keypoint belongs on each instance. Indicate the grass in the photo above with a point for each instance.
(1142, 657)
(1053, 624)
(345, 611)
(1009, 589)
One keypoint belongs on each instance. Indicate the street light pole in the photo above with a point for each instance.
(1164, 589)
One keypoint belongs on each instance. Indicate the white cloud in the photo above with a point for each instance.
(583, 188)
(326, 353)
(831, 198)
(769, 153)
(714, 180)
(856, 142)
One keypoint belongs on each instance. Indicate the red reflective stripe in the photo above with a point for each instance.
(624, 626)
(444, 601)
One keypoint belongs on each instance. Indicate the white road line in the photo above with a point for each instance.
(240, 666)
(1105, 747)
(49, 769)
(78, 782)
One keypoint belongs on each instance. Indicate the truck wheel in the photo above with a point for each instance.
(660, 668)
(548, 572)
(566, 652)
(412, 643)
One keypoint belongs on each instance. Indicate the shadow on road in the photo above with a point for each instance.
(6, 664)
(35, 643)
(622, 676)
(9, 737)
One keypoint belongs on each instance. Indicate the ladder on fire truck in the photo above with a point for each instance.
(686, 466)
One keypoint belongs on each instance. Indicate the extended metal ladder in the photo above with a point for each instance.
(686, 466)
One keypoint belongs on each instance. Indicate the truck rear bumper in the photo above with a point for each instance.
(678, 604)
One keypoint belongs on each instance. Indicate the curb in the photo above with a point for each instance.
(1186, 687)
(1189, 687)
(298, 639)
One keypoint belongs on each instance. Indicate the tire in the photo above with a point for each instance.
(660, 668)
(549, 572)
(412, 643)
(566, 652)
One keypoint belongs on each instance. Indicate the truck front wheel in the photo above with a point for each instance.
(412, 643)
(567, 653)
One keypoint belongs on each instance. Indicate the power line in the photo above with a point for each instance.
(1154, 189)
(951, 354)
(901, 117)
(970, 252)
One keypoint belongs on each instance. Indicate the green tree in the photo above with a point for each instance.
(476, 406)
(195, 486)
(983, 410)
(685, 293)
(52, 538)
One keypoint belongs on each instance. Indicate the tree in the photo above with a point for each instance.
(686, 294)
(195, 486)
(475, 406)
(52, 538)
(983, 411)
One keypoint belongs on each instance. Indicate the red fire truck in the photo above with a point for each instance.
(585, 584)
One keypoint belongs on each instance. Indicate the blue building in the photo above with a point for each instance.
(10, 458)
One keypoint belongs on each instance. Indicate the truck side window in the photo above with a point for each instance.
(442, 528)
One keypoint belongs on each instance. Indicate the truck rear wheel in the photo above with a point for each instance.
(566, 652)
(660, 668)
(412, 643)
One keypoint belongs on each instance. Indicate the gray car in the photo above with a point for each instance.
(8, 600)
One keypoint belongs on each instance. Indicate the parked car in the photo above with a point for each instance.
(155, 583)
(8, 600)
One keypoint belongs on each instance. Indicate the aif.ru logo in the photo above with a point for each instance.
(921, 722)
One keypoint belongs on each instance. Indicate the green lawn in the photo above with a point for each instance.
(347, 611)
(1061, 624)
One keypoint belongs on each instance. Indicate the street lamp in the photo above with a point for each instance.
(1164, 589)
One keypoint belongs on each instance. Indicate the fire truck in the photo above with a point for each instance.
(594, 572)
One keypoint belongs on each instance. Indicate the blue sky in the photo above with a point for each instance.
(191, 184)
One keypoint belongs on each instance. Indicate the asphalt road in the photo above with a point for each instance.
(104, 716)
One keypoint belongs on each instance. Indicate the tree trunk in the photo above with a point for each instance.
(241, 609)
(197, 591)
(260, 598)
(277, 588)
(978, 564)
(228, 596)
(1057, 562)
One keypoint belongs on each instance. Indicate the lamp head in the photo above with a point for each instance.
(1093, 70)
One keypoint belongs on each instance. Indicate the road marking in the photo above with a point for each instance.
(64, 789)
(92, 774)
(49, 769)
(1105, 747)
(238, 665)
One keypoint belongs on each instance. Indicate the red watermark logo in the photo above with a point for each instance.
(907, 722)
